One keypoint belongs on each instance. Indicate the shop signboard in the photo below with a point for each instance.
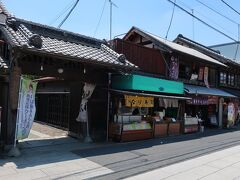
(146, 83)
(198, 100)
(26, 107)
(174, 68)
(212, 99)
(138, 101)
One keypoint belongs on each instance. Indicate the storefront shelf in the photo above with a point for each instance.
(160, 130)
(134, 135)
(174, 129)
(190, 128)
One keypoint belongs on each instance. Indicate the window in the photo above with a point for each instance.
(238, 80)
(223, 78)
(231, 79)
(212, 77)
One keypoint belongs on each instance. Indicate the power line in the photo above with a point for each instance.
(230, 7)
(207, 18)
(224, 34)
(170, 21)
(193, 29)
(217, 12)
(63, 21)
(100, 18)
(62, 12)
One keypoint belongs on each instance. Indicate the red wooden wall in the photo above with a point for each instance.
(147, 59)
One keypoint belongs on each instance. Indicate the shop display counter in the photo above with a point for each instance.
(130, 131)
(174, 128)
(160, 129)
(190, 124)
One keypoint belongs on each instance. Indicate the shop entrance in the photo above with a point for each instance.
(53, 109)
(51, 121)
(207, 114)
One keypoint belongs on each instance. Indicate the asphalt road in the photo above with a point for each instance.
(128, 159)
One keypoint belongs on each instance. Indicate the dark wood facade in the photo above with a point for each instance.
(188, 64)
(73, 80)
(40, 51)
(147, 59)
(226, 77)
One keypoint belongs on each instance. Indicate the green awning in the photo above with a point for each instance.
(146, 83)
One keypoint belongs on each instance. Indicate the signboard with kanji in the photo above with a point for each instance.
(138, 101)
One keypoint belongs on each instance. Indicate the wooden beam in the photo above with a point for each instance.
(145, 42)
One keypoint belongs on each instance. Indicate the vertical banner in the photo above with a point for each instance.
(87, 93)
(231, 112)
(206, 76)
(174, 68)
(26, 108)
(200, 73)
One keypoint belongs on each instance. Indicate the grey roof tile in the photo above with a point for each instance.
(3, 64)
(62, 43)
(207, 50)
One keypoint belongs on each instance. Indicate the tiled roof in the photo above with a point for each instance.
(4, 10)
(172, 46)
(3, 64)
(52, 41)
(206, 50)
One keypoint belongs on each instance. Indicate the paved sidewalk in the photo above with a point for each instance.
(47, 154)
(52, 161)
(42, 130)
(60, 157)
(221, 165)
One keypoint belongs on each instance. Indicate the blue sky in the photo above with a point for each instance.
(150, 15)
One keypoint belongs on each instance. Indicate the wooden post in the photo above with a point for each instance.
(220, 112)
(12, 105)
(4, 105)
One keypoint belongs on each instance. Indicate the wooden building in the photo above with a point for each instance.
(70, 60)
(149, 60)
(226, 78)
(196, 69)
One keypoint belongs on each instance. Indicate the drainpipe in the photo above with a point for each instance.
(108, 104)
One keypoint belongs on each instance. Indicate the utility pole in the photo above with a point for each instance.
(110, 38)
(111, 4)
(235, 55)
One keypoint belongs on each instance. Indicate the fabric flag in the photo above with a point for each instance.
(206, 77)
(87, 93)
(26, 108)
(200, 74)
(174, 68)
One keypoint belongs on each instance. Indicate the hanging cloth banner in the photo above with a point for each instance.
(87, 93)
(26, 107)
(138, 101)
(174, 68)
(231, 112)
(206, 77)
(200, 74)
